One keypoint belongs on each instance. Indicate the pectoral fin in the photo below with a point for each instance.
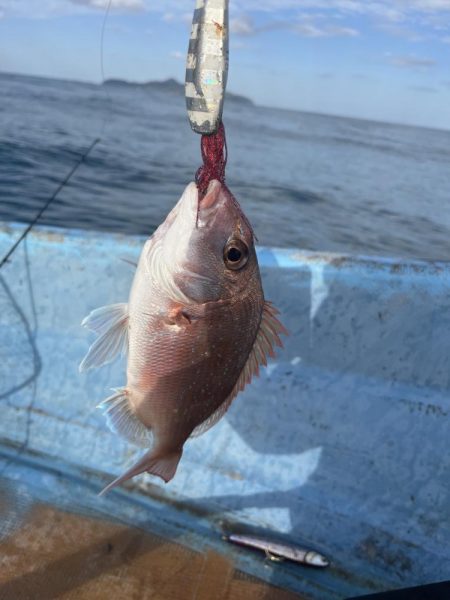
(179, 316)
(111, 325)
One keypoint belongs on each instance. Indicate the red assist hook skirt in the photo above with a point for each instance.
(214, 155)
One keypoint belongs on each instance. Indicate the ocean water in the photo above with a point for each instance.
(304, 180)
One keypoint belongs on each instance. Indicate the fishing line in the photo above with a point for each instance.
(47, 204)
(102, 62)
(102, 38)
(78, 163)
(81, 160)
(32, 332)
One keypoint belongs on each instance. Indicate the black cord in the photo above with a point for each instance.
(47, 204)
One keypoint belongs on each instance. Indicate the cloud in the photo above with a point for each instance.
(429, 5)
(169, 17)
(400, 31)
(237, 44)
(446, 39)
(309, 18)
(390, 9)
(382, 8)
(311, 30)
(121, 5)
(242, 25)
(399, 18)
(172, 17)
(307, 27)
(411, 62)
(178, 55)
(426, 89)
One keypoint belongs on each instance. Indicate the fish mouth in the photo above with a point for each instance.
(212, 195)
(218, 197)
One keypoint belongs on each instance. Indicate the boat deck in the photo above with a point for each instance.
(340, 445)
(51, 553)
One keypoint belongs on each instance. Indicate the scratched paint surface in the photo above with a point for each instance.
(56, 554)
(341, 443)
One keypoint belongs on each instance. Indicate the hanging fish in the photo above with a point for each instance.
(196, 328)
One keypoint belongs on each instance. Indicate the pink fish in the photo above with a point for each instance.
(196, 329)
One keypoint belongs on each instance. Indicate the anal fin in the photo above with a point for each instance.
(122, 419)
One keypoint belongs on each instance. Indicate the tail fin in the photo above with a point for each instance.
(163, 466)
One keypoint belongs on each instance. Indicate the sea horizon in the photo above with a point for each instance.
(305, 180)
(101, 83)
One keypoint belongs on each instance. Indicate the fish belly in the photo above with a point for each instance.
(179, 375)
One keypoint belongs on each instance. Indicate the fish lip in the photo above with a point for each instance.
(212, 195)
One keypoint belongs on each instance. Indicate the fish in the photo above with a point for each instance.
(196, 329)
(277, 552)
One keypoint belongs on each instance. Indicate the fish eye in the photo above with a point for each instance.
(235, 254)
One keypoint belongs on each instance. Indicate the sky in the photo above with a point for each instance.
(386, 60)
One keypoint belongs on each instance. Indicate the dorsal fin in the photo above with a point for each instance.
(267, 338)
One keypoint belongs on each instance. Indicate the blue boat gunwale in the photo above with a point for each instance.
(268, 256)
(303, 281)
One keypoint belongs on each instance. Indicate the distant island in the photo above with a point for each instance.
(171, 86)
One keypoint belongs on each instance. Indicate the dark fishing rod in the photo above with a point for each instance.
(48, 203)
(76, 166)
